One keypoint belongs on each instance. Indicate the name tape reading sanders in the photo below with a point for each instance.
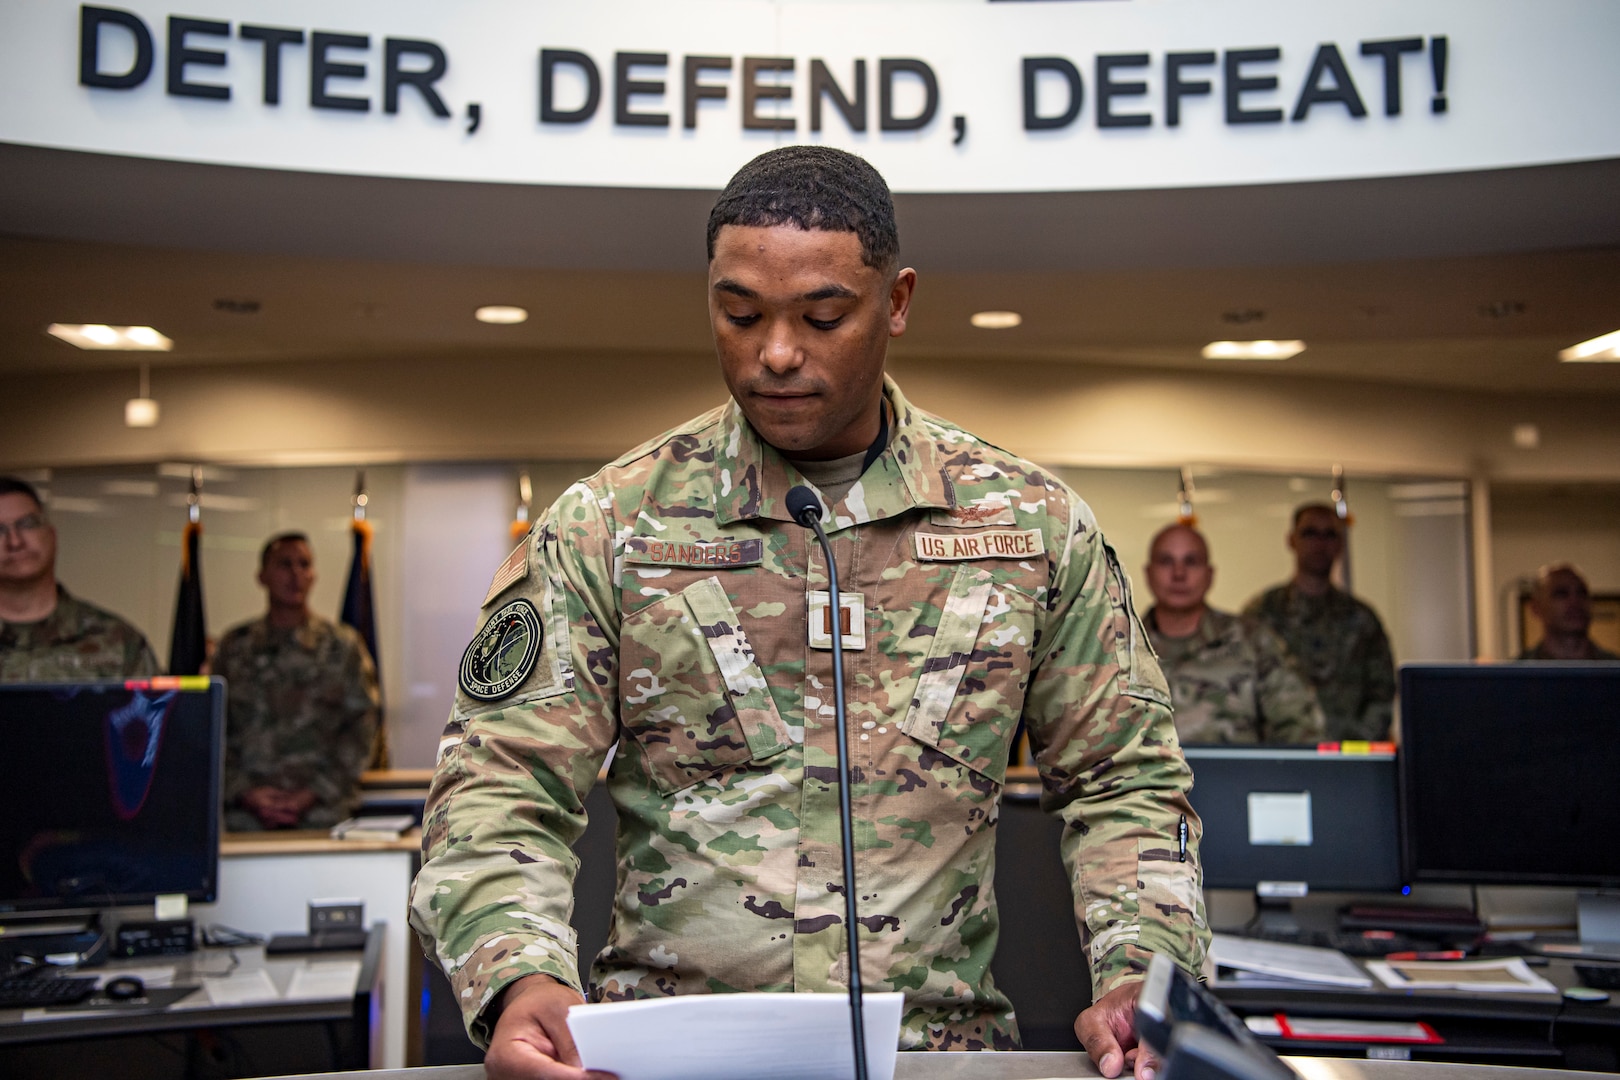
(648, 549)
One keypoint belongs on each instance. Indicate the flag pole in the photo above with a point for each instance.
(1341, 507)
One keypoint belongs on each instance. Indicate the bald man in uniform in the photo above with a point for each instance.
(1563, 603)
(1231, 678)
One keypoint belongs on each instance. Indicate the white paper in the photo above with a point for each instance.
(153, 978)
(1280, 818)
(737, 1036)
(1509, 975)
(170, 906)
(1304, 963)
(326, 980)
(246, 988)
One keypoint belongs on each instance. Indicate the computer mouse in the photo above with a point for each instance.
(124, 988)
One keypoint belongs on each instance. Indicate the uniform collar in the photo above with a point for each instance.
(754, 478)
(1212, 627)
(65, 621)
(306, 634)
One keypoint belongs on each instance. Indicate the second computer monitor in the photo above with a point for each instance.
(1295, 815)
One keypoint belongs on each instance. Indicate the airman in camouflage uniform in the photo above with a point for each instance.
(1337, 640)
(1233, 681)
(1231, 678)
(47, 635)
(669, 610)
(301, 710)
(77, 641)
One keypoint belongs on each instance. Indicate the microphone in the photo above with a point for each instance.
(806, 510)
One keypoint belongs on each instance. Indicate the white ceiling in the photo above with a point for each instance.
(1471, 281)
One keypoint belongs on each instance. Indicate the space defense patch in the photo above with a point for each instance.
(503, 653)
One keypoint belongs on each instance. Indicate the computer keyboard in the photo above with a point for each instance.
(1599, 976)
(32, 991)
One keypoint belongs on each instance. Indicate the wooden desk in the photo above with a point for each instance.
(244, 1011)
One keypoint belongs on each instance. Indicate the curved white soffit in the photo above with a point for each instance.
(1262, 91)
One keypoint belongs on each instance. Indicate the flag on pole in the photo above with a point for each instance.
(359, 610)
(188, 645)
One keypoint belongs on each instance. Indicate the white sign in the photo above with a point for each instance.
(963, 96)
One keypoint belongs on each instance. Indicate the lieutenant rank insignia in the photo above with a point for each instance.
(503, 653)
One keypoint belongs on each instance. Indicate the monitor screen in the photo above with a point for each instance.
(1509, 773)
(110, 792)
(1291, 814)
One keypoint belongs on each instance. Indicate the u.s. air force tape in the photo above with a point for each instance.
(503, 653)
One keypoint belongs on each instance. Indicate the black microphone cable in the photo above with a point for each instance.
(806, 510)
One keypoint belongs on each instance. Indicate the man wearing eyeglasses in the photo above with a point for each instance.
(47, 635)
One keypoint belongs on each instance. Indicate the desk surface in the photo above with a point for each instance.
(254, 989)
(1032, 1066)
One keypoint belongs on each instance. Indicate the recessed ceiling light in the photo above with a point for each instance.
(996, 320)
(1252, 350)
(1599, 350)
(102, 336)
(501, 314)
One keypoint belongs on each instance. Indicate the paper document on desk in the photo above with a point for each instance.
(736, 1036)
(1507, 975)
(1275, 961)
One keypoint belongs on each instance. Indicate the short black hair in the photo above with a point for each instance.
(280, 538)
(1313, 507)
(10, 485)
(813, 187)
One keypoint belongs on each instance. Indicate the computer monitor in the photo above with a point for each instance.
(110, 793)
(1509, 775)
(1286, 820)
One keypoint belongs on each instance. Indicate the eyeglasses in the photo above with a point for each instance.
(31, 523)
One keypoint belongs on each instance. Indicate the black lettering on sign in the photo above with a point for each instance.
(1108, 90)
(1238, 84)
(1034, 67)
(696, 91)
(1390, 53)
(322, 69)
(624, 88)
(550, 61)
(754, 91)
(91, 20)
(1176, 88)
(1327, 61)
(272, 38)
(181, 54)
(888, 69)
(822, 84)
(395, 74)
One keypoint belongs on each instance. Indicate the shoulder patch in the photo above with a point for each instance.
(503, 653)
(512, 571)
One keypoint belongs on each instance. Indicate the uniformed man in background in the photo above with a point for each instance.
(46, 635)
(302, 707)
(1231, 677)
(1336, 639)
(669, 609)
(1563, 603)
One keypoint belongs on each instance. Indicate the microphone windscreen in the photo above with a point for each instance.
(801, 501)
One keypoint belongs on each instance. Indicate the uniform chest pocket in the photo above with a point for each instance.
(691, 692)
(970, 688)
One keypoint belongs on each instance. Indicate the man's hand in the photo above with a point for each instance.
(1107, 1029)
(275, 808)
(531, 1040)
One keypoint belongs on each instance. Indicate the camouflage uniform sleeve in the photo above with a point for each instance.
(337, 783)
(1289, 711)
(495, 893)
(237, 781)
(1377, 682)
(1098, 713)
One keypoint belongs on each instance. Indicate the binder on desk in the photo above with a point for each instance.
(1329, 1029)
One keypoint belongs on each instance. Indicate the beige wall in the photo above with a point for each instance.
(1532, 525)
(518, 407)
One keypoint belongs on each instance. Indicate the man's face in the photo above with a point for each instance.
(28, 549)
(1563, 604)
(1178, 571)
(1316, 542)
(802, 326)
(288, 574)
